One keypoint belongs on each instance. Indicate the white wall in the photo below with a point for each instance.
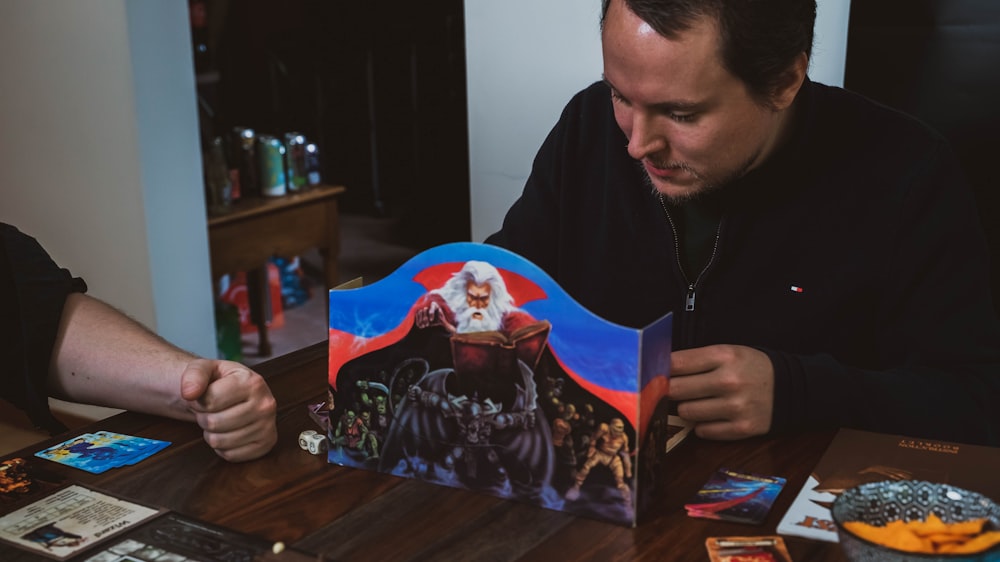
(171, 173)
(829, 53)
(526, 58)
(100, 157)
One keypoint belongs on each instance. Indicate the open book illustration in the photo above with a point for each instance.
(857, 457)
(470, 367)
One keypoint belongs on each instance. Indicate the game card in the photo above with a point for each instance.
(23, 480)
(733, 495)
(177, 538)
(70, 520)
(133, 449)
(98, 452)
(747, 549)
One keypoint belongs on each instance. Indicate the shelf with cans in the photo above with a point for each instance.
(244, 164)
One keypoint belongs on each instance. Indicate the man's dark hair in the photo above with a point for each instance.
(760, 38)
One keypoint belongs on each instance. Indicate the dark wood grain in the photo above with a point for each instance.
(349, 514)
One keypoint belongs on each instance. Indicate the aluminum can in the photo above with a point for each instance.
(312, 165)
(295, 161)
(271, 160)
(243, 155)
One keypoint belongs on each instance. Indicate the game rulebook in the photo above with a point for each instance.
(470, 367)
(857, 457)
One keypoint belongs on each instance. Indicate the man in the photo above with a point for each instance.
(58, 341)
(474, 299)
(821, 253)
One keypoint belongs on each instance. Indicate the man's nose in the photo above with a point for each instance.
(644, 138)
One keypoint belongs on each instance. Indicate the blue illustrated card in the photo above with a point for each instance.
(101, 451)
(732, 495)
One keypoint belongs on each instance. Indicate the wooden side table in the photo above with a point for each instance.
(254, 230)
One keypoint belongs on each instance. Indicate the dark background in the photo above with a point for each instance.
(378, 85)
(940, 61)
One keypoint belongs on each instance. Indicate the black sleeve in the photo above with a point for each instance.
(33, 290)
(936, 328)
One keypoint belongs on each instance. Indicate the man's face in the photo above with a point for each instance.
(691, 124)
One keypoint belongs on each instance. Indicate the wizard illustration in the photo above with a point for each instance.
(470, 367)
(477, 421)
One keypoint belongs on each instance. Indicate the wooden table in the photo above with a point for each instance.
(244, 238)
(349, 514)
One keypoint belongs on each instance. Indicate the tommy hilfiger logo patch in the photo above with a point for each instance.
(797, 289)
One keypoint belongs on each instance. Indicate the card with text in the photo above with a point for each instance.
(70, 520)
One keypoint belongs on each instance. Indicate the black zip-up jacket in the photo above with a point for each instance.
(853, 257)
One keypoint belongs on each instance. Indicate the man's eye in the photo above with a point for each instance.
(683, 117)
(617, 98)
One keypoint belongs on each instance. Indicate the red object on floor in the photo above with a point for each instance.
(236, 294)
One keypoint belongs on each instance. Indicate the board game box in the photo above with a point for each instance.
(470, 367)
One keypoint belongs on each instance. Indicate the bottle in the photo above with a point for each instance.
(312, 165)
(271, 158)
(218, 186)
(242, 142)
(228, 337)
(295, 162)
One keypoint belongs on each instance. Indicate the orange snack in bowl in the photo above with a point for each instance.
(947, 538)
(978, 543)
(932, 536)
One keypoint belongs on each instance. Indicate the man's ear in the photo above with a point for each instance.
(790, 82)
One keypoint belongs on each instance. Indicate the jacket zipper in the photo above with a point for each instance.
(689, 299)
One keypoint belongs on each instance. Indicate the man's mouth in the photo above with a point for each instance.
(477, 315)
(668, 172)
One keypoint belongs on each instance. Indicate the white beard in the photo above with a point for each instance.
(491, 320)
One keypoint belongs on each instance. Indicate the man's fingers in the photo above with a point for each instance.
(247, 443)
(692, 361)
(231, 386)
(242, 431)
(195, 379)
(233, 406)
(225, 420)
(216, 397)
(704, 409)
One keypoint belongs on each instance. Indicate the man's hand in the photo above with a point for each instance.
(727, 390)
(234, 407)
